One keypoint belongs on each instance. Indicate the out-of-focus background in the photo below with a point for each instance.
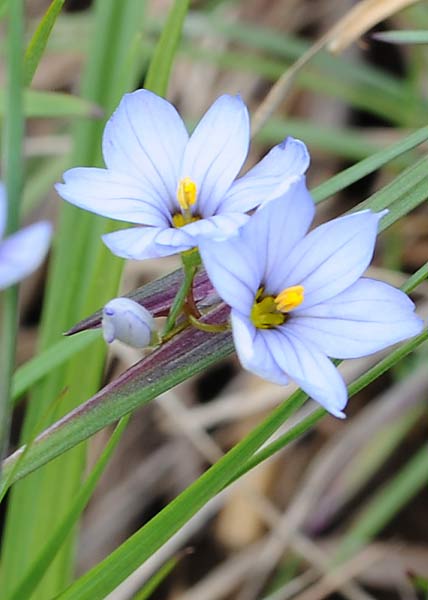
(354, 488)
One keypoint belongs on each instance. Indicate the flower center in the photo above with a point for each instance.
(271, 311)
(186, 196)
(178, 220)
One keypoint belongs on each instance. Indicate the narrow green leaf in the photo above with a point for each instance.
(39, 40)
(54, 104)
(154, 582)
(386, 503)
(183, 356)
(39, 366)
(102, 579)
(402, 195)
(3, 7)
(368, 165)
(160, 66)
(13, 172)
(347, 142)
(37, 570)
(402, 37)
(417, 278)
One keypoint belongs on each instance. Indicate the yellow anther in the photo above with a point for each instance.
(186, 193)
(290, 298)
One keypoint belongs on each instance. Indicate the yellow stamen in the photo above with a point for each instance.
(272, 311)
(186, 193)
(290, 298)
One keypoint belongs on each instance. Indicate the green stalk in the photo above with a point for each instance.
(12, 165)
(190, 261)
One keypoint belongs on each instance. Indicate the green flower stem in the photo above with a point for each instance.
(210, 328)
(12, 156)
(191, 260)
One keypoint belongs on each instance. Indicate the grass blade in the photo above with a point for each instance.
(39, 366)
(38, 568)
(38, 42)
(12, 166)
(160, 66)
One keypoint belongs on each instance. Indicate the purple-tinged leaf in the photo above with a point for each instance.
(156, 296)
(186, 354)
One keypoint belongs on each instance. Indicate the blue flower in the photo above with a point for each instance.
(298, 298)
(22, 252)
(126, 320)
(177, 188)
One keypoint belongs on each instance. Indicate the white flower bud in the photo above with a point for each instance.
(127, 321)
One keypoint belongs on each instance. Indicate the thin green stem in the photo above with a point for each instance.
(179, 300)
(12, 166)
(416, 279)
(210, 328)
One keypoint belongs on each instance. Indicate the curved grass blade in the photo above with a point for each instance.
(157, 296)
(160, 66)
(38, 42)
(188, 353)
(39, 366)
(402, 37)
(36, 572)
(369, 165)
(54, 104)
(13, 173)
(154, 582)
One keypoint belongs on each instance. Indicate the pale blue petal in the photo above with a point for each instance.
(146, 138)
(219, 227)
(253, 350)
(310, 369)
(139, 243)
(269, 178)
(216, 151)
(3, 209)
(230, 267)
(113, 195)
(368, 316)
(332, 257)
(175, 237)
(23, 252)
(275, 229)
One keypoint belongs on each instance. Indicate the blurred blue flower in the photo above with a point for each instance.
(126, 320)
(22, 252)
(179, 189)
(298, 298)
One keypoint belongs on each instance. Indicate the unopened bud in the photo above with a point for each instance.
(127, 321)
